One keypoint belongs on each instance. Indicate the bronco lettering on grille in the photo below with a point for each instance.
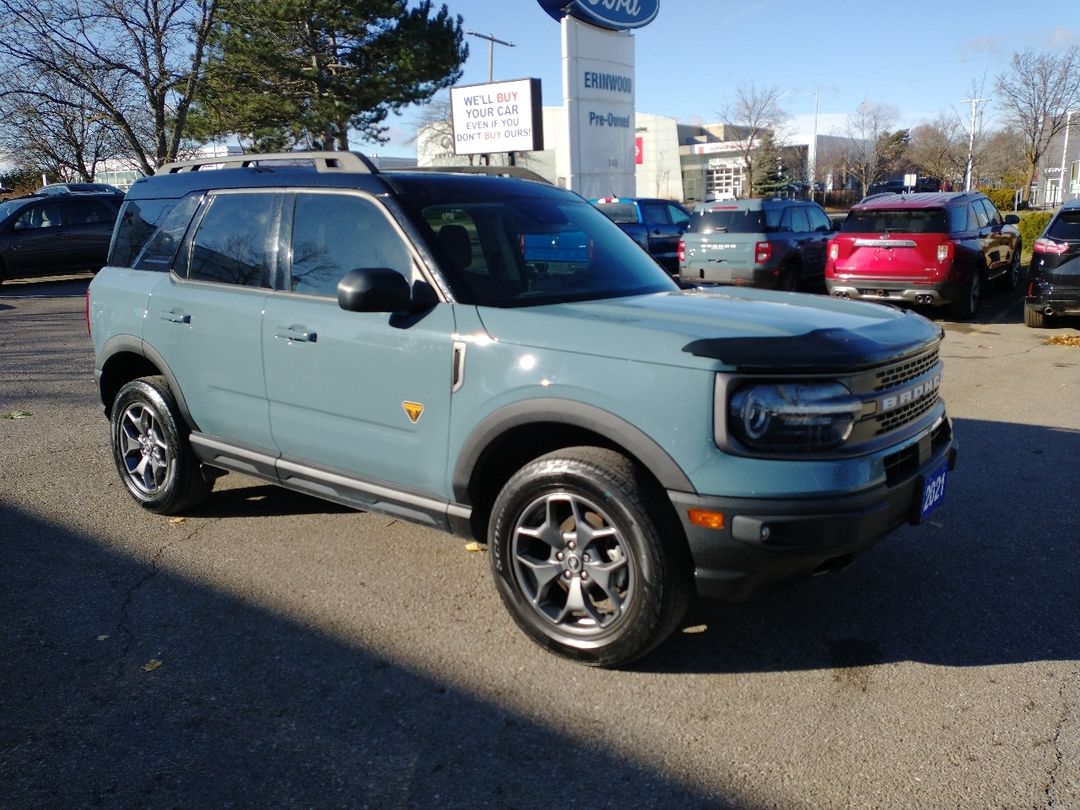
(914, 393)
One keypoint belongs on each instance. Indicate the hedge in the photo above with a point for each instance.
(1003, 198)
(1032, 224)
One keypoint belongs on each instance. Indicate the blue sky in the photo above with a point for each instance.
(920, 56)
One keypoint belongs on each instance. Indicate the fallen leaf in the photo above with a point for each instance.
(151, 665)
(17, 415)
(1064, 340)
(473, 547)
(103, 637)
(177, 520)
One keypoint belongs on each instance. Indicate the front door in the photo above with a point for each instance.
(366, 394)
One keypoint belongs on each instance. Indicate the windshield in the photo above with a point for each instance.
(619, 212)
(733, 219)
(1066, 227)
(10, 207)
(926, 220)
(526, 251)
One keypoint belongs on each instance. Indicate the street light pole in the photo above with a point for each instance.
(491, 41)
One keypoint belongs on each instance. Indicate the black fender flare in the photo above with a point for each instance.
(576, 414)
(131, 344)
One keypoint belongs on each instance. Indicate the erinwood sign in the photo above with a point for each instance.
(598, 92)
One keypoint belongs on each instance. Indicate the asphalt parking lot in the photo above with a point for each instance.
(275, 650)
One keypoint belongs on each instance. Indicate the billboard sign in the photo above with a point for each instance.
(617, 15)
(498, 117)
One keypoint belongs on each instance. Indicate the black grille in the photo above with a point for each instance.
(902, 372)
(903, 415)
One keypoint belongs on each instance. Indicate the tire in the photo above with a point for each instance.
(604, 595)
(968, 304)
(1035, 318)
(151, 450)
(788, 279)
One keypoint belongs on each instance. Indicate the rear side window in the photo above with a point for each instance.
(232, 244)
(928, 220)
(959, 219)
(161, 249)
(729, 220)
(88, 212)
(137, 223)
(795, 220)
(1066, 226)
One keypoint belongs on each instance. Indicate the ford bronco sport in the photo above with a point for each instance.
(495, 358)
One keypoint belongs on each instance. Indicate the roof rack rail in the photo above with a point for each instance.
(323, 162)
(494, 171)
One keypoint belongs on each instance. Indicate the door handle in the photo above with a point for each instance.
(300, 334)
(176, 316)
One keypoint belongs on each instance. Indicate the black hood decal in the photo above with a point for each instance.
(822, 349)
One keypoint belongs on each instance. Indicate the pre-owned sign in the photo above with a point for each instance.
(499, 117)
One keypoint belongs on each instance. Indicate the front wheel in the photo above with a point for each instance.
(587, 559)
(151, 450)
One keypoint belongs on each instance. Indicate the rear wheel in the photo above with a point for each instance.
(151, 450)
(1010, 279)
(1035, 318)
(788, 278)
(968, 304)
(587, 559)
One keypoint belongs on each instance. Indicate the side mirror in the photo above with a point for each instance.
(1012, 219)
(19, 226)
(375, 289)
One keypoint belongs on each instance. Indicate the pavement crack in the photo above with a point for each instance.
(124, 624)
(1068, 708)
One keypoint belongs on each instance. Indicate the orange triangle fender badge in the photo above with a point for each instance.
(413, 410)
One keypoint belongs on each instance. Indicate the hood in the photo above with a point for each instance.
(736, 329)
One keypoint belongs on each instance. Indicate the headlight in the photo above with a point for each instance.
(811, 416)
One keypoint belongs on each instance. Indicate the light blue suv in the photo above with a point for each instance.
(494, 357)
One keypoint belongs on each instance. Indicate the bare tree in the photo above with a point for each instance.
(1037, 93)
(66, 140)
(134, 63)
(939, 149)
(1001, 157)
(755, 110)
(867, 129)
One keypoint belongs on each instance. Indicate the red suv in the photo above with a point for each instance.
(928, 248)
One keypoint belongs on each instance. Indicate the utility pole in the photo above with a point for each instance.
(975, 102)
(1064, 156)
(492, 42)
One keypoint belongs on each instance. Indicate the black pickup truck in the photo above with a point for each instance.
(656, 225)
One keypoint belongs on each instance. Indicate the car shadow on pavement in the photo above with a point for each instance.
(125, 685)
(991, 578)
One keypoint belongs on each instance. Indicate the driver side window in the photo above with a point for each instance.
(335, 233)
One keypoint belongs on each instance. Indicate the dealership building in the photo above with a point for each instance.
(683, 162)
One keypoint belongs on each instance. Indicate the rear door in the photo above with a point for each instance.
(87, 229)
(206, 316)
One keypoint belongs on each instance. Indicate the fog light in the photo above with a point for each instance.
(707, 519)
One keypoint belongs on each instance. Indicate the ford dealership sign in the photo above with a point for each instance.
(614, 14)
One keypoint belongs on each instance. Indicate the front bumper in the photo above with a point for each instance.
(765, 543)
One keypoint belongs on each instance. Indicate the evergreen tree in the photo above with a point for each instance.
(306, 72)
(769, 179)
